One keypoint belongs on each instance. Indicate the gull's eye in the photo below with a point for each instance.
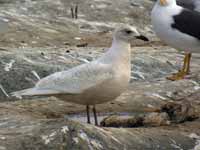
(128, 31)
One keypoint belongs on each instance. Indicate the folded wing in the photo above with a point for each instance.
(72, 81)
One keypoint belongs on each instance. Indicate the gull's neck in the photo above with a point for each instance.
(118, 53)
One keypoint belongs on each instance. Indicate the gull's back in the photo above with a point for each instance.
(77, 79)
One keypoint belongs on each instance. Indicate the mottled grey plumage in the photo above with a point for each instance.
(92, 83)
(95, 82)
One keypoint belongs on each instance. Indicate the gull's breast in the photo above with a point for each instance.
(106, 91)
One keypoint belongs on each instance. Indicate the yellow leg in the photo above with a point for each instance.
(184, 71)
(187, 68)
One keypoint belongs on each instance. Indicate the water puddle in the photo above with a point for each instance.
(82, 117)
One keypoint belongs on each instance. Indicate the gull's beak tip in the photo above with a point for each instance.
(142, 37)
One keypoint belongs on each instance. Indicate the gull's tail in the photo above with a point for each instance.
(21, 93)
(34, 92)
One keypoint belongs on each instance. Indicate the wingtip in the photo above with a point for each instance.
(16, 94)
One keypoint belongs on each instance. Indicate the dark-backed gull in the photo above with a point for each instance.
(178, 27)
(96, 82)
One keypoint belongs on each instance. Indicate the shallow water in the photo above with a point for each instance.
(82, 117)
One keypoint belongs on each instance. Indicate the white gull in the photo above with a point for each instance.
(92, 83)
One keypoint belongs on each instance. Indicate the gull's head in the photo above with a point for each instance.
(127, 33)
(164, 3)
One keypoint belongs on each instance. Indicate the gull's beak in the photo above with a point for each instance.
(163, 2)
(142, 37)
(138, 35)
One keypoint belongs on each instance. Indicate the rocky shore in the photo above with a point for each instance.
(40, 37)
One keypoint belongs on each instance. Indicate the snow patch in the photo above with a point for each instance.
(77, 38)
(194, 136)
(196, 88)
(75, 139)
(175, 145)
(91, 142)
(48, 138)
(196, 85)
(35, 74)
(155, 95)
(79, 59)
(65, 129)
(52, 134)
(83, 136)
(140, 74)
(2, 148)
(96, 144)
(9, 65)
(169, 94)
(158, 95)
(197, 138)
(150, 106)
(2, 138)
(4, 91)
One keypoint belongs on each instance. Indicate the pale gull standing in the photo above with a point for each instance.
(92, 83)
(178, 27)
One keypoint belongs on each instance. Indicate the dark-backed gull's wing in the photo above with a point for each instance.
(187, 22)
(189, 4)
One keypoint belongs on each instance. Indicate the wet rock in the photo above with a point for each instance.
(122, 121)
(49, 22)
(180, 111)
(149, 69)
(171, 112)
(22, 128)
(147, 120)
(40, 38)
(156, 119)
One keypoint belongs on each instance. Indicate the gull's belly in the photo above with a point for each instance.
(104, 92)
(178, 40)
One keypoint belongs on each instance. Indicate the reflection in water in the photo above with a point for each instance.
(82, 117)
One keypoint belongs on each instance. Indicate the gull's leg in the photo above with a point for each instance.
(88, 113)
(187, 69)
(184, 71)
(95, 116)
(184, 64)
